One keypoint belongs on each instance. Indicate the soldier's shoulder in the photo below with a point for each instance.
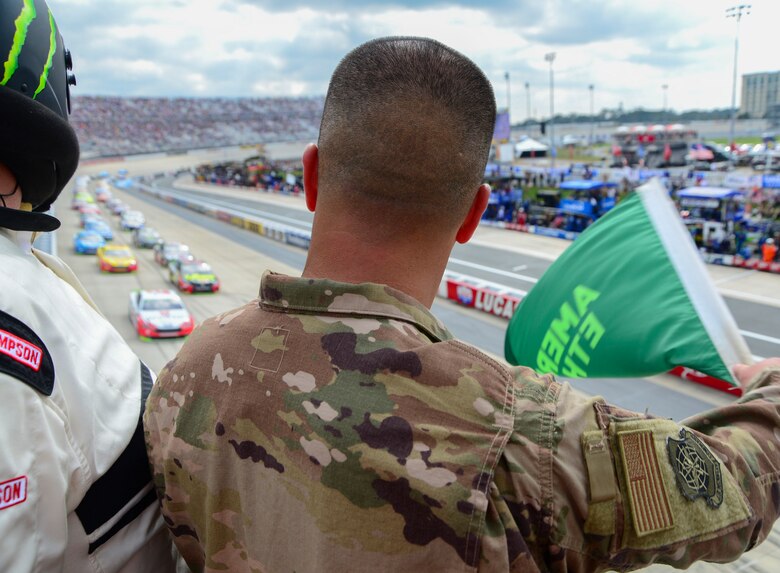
(521, 378)
(225, 324)
(234, 317)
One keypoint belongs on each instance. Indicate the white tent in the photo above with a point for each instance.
(530, 147)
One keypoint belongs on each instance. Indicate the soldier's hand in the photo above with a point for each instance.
(745, 374)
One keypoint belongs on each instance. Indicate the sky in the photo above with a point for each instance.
(626, 49)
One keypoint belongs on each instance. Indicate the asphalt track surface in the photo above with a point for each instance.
(239, 258)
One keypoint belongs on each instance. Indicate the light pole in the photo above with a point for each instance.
(528, 100)
(550, 57)
(664, 87)
(508, 100)
(735, 12)
(592, 118)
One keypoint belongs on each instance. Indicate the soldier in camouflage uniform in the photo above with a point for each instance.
(334, 424)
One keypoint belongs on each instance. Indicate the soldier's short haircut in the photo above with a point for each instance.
(407, 124)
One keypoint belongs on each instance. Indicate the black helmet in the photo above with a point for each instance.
(36, 141)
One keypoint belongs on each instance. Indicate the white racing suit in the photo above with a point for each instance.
(75, 488)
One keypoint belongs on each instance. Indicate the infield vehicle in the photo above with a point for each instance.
(166, 251)
(87, 242)
(711, 212)
(192, 276)
(146, 238)
(116, 258)
(159, 314)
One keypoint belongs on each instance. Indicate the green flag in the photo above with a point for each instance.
(630, 297)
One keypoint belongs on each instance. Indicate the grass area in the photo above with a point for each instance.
(739, 140)
(579, 157)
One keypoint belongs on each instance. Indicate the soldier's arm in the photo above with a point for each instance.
(602, 488)
(159, 422)
(35, 469)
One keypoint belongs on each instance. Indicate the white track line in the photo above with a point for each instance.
(758, 336)
(494, 270)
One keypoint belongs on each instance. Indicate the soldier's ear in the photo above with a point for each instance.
(474, 216)
(310, 175)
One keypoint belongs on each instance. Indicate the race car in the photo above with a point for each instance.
(116, 258)
(132, 220)
(192, 276)
(80, 199)
(103, 194)
(99, 226)
(166, 251)
(89, 209)
(146, 238)
(84, 217)
(159, 314)
(116, 207)
(87, 242)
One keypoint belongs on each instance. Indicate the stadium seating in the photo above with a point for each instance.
(123, 126)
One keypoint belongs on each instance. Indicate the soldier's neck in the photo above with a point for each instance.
(415, 269)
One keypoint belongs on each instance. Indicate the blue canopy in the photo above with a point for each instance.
(708, 193)
(585, 185)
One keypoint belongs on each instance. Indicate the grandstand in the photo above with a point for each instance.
(109, 126)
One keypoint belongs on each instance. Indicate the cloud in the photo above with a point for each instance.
(354, 6)
(577, 23)
(290, 47)
(685, 49)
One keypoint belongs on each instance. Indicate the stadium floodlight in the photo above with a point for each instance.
(591, 87)
(508, 101)
(550, 58)
(736, 12)
(664, 87)
(528, 101)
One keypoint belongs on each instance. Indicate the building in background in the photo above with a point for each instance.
(760, 92)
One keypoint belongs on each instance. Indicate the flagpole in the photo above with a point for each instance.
(551, 58)
(712, 310)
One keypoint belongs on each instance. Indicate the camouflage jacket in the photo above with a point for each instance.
(336, 427)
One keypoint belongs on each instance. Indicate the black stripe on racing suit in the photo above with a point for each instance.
(125, 479)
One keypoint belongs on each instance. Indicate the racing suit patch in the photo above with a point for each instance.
(20, 350)
(24, 356)
(13, 492)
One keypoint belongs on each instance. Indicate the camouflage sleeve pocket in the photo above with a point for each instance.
(674, 488)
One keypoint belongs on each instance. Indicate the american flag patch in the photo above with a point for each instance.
(650, 509)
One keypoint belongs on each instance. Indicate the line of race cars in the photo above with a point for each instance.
(155, 313)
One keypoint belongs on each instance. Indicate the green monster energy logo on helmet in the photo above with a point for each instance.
(22, 24)
(52, 48)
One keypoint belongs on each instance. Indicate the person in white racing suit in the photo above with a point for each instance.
(76, 492)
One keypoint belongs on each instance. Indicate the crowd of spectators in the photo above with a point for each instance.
(122, 126)
(257, 173)
(749, 225)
